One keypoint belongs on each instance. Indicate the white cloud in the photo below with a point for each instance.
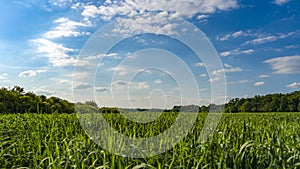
(83, 86)
(31, 73)
(270, 38)
(139, 85)
(293, 85)
(214, 79)
(64, 82)
(3, 76)
(262, 40)
(259, 83)
(236, 52)
(183, 8)
(102, 89)
(285, 65)
(280, 2)
(42, 91)
(60, 3)
(203, 75)
(228, 69)
(264, 76)
(119, 84)
(200, 64)
(66, 28)
(57, 54)
(158, 81)
(239, 82)
(155, 14)
(231, 35)
(201, 17)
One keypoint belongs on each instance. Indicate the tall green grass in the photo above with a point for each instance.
(240, 141)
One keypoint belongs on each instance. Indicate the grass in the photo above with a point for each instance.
(254, 140)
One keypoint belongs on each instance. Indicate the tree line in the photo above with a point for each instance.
(16, 100)
(289, 102)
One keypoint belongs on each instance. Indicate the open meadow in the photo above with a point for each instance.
(243, 140)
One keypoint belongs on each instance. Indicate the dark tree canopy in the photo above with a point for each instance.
(17, 101)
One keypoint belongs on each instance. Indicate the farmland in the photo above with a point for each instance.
(243, 140)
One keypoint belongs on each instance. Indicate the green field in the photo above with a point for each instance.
(244, 140)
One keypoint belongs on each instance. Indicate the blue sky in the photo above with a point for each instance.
(257, 42)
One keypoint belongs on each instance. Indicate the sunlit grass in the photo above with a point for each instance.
(245, 140)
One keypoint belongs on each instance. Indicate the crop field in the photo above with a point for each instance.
(243, 140)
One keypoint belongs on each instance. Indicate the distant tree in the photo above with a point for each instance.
(91, 103)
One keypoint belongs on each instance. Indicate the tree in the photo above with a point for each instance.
(91, 103)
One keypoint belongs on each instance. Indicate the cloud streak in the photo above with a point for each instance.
(66, 28)
(31, 73)
(285, 65)
(293, 85)
(237, 51)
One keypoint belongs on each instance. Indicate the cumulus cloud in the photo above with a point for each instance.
(67, 28)
(183, 8)
(293, 85)
(237, 51)
(31, 73)
(285, 65)
(259, 83)
(155, 14)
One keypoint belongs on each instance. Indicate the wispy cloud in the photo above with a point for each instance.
(270, 38)
(285, 65)
(158, 81)
(139, 85)
(83, 86)
(31, 73)
(280, 2)
(102, 89)
(60, 3)
(264, 76)
(237, 51)
(239, 82)
(227, 69)
(200, 64)
(57, 54)
(3, 76)
(232, 35)
(293, 85)
(259, 83)
(67, 28)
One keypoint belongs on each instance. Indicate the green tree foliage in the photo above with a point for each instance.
(17, 101)
(289, 102)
